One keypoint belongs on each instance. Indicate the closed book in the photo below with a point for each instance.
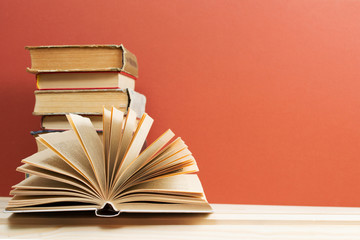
(84, 80)
(79, 58)
(87, 101)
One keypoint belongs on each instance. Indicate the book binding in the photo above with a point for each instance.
(108, 210)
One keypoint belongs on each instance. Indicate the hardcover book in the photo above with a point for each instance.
(82, 58)
(87, 101)
(78, 172)
(84, 80)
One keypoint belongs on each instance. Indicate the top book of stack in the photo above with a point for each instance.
(84, 58)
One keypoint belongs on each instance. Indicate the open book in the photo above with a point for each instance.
(79, 171)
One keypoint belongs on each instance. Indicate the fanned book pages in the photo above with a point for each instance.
(79, 171)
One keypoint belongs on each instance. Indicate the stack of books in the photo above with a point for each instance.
(77, 170)
(82, 79)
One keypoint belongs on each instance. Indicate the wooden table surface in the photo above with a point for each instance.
(227, 222)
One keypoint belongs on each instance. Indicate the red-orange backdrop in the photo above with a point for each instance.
(265, 93)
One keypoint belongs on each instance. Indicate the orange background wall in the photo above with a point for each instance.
(265, 93)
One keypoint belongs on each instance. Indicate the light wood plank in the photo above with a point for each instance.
(228, 221)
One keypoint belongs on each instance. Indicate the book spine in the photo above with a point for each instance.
(130, 65)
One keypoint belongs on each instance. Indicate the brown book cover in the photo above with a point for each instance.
(80, 58)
